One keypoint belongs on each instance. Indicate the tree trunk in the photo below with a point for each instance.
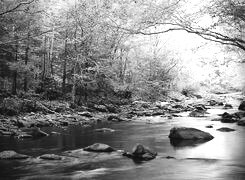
(51, 53)
(26, 61)
(14, 83)
(64, 66)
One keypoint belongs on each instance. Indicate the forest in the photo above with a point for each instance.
(68, 64)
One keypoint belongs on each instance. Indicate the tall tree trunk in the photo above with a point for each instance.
(26, 61)
(51, 53)
(14, 83)
(44, 58)
(64, 66)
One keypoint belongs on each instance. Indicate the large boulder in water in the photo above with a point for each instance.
(11, 155)
(141, 153)
(242, 106)
(185, 133)
(98, 147)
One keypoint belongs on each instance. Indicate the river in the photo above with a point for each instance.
(222, 158)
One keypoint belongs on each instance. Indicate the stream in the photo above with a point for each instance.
(222, 158)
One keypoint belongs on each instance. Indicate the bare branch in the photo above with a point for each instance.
(16, 7)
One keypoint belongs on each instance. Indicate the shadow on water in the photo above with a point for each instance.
(179, 143)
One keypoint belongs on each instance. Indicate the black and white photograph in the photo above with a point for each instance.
(122, 89)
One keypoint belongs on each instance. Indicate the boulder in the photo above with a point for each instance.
(209, 126)
(11, 155)
(186, 133)
(225, 129)
(227, 106)
(141, 153)
(98, 147)
(241, 122)
(50, 157)
(228, 118)
(242, 106)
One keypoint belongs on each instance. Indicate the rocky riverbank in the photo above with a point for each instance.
(22, 118)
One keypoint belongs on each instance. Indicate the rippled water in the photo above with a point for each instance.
(221, 158)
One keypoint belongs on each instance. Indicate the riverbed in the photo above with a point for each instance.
(221, 158)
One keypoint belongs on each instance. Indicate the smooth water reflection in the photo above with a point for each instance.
(221, 158)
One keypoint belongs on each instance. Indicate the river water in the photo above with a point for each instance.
(222, 158)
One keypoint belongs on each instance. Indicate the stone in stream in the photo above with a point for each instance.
(105, 130)
(228, 118)
(242, 106)
(225, 129)
(227, 106)
(141, 153)
(11, 155)
(99, 147)
(185, 133)
(241, 122)
(197, 113)
(50, 157)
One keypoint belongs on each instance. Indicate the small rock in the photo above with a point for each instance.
(11, 155)
(85, 114)
(24, 136)
(209, 126)
(98, 147)
(101, 108)
(55, 133)
(196, 114)
(50, 157)
(241, 122)
(225, 129)
(141, 153)
(242, 106)
(105, 130)
(227, 106)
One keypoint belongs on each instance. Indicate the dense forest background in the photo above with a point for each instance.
(90, 50)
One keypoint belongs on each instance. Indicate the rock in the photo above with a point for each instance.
(50, 157)
(241, 122)
(242, 106)
(11, 155)
(98, 147)
(114, 118)
(100, 108)
(35, 132)
(85, 114)
(196, 114)
(215, 103)
(105, 130)
(64, 123)
(239, 114)
(188, 133)
(225, 129)
(227, 106)
(228, 118)
(141, 153)
(209, 126)
(55, 133)
(24, 136)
